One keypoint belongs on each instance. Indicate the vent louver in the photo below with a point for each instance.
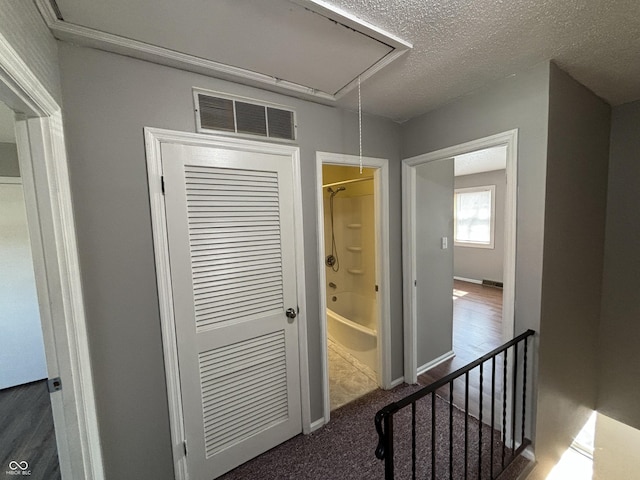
(227, 114)
(217, 113)
(280, 123)
(251, 119)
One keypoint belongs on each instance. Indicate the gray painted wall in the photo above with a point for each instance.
(619, 378)
(575, 206)
(434, 265)
(483, 263)
(23, 27)
(108, 99)
(110, 194)
(520, 101)
(558, 118)
(9, 160)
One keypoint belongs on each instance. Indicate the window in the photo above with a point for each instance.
(474, 212)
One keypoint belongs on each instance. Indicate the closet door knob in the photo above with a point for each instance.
(291, 313)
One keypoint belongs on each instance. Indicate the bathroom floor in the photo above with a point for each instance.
(348, 378)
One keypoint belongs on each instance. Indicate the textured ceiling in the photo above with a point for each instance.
(486, 160)
(460, 46)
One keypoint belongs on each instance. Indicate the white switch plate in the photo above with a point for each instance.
(445, 243)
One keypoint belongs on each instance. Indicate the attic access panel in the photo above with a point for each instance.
(306, 42)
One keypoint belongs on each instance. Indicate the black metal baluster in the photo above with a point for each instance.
(513, 407)
(493, 408)
(451, 430)
(466, 423)
(524, 388)
(433, 435)
(480, 426)
(413, 440)
(388, 449)
(504, 406)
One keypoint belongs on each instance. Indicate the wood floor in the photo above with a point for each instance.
(27, 432)
(477, 329)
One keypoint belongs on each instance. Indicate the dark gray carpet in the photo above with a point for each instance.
(344, 448)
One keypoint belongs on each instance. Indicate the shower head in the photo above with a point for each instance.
(336, 191)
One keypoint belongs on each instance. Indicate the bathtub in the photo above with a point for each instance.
(352, 323)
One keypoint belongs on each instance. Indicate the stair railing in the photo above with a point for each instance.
(384, 419)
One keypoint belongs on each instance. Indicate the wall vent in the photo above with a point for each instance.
(219, 113)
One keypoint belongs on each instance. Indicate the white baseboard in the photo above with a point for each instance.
(396, 382)
(470, 280)
(316, 425)
(528, 454)
(435, 362)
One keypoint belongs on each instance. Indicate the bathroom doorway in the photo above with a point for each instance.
(353, 271)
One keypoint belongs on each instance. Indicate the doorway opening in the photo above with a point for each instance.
(349, 238)
(500, 305)
(353, 246)
(479, 187)
(28, 444)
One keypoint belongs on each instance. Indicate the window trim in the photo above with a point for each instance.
(492, 223)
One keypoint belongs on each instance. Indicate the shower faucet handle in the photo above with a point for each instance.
(332, 285)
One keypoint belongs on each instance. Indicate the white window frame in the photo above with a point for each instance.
(492, 222)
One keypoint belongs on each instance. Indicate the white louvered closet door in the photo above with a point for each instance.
(231, 247)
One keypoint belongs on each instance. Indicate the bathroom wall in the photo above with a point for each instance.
(354, 228)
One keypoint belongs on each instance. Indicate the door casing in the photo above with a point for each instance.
(154, 138)
(44, 171)
(381, 187)
(409, 211)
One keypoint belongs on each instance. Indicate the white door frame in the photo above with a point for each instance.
(45, 178)
(381, 187)
(508, 139)
(154, 138)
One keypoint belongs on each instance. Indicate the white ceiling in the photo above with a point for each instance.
(7, 131)
(480, 161)
(459, 46)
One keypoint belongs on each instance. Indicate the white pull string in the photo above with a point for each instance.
(360, 122)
